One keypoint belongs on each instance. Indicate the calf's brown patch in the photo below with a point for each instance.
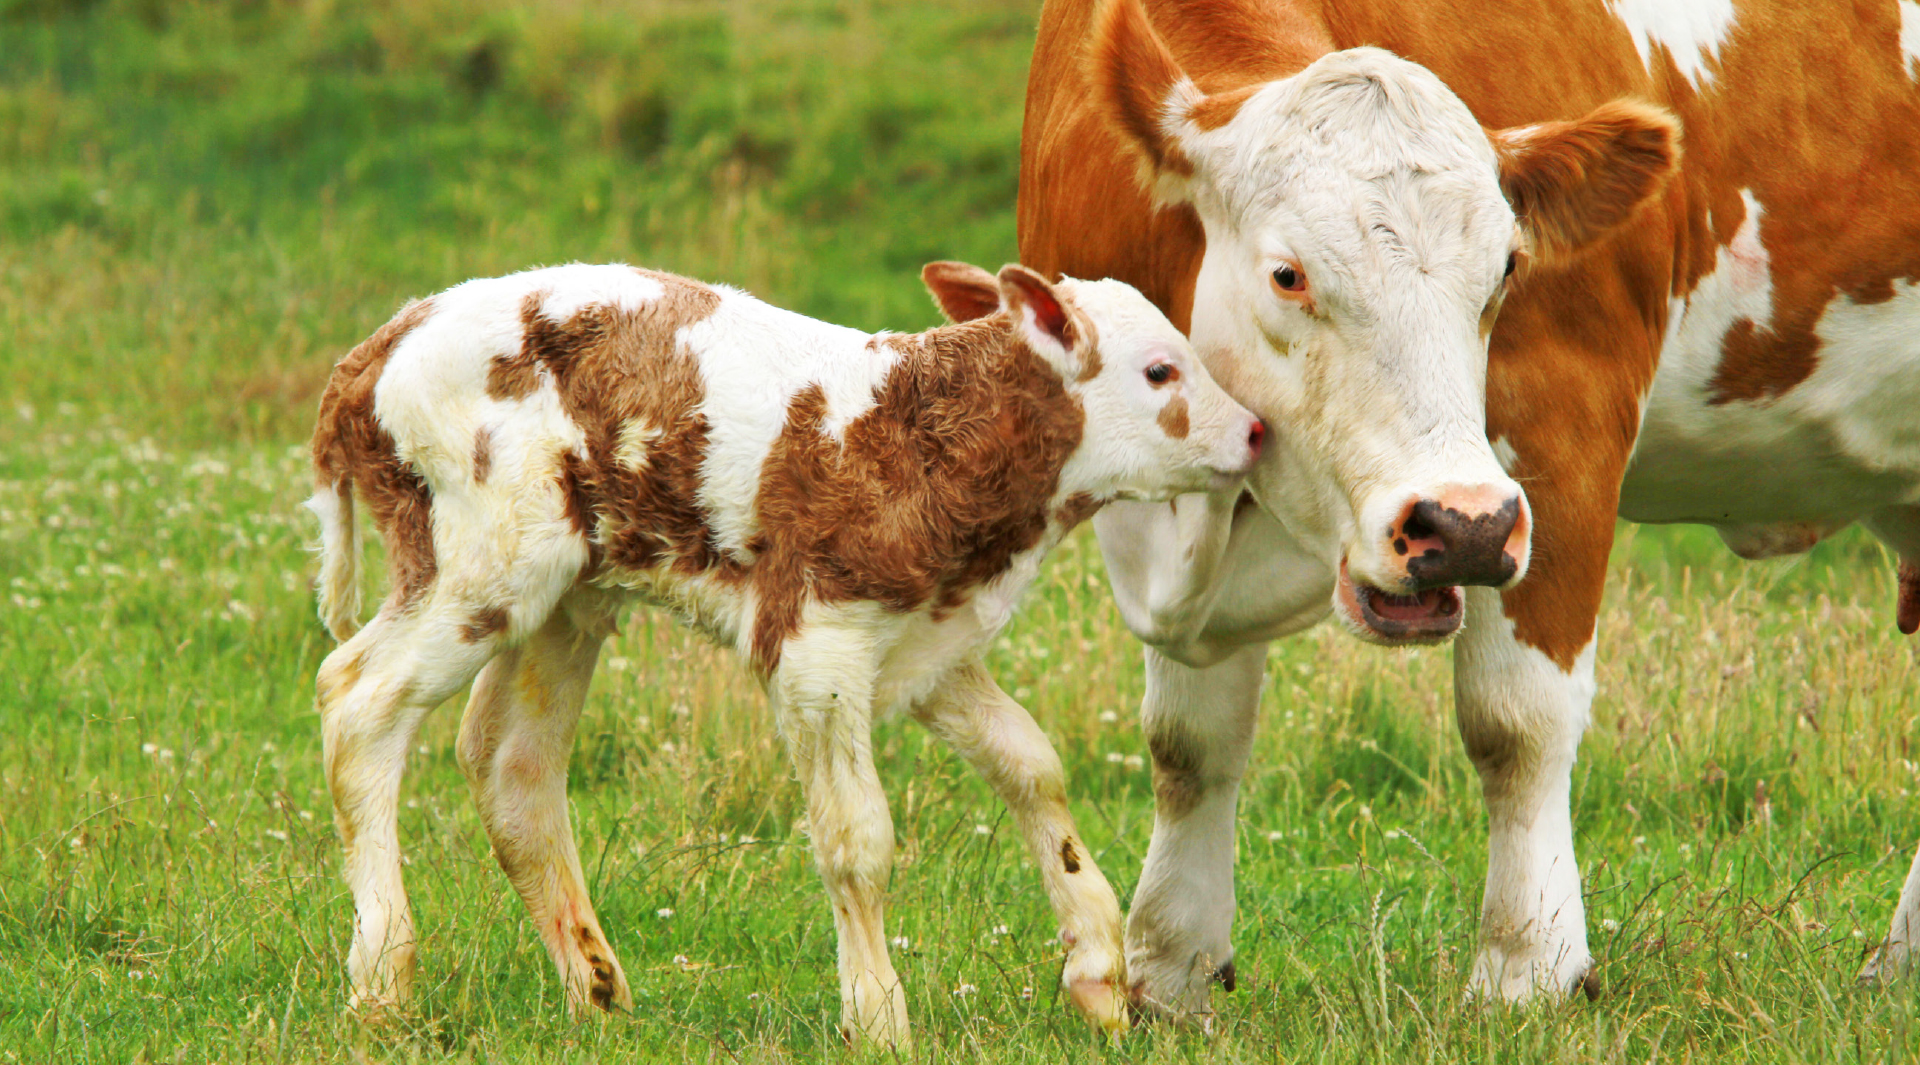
(1173, 418)
(929, 495)
(349, 443)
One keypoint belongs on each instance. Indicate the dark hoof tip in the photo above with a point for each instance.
(1224, 974)
(1590, 983)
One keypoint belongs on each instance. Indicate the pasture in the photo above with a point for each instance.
(203, 204)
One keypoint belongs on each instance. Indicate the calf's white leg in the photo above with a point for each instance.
(1199, 725)
(822, 694)
(1000, 740)
(373, 691)
(1521, 716)
(1895, 956)
(514, 743)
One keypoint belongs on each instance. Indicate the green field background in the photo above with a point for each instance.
(202, 205)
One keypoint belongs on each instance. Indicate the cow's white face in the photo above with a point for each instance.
(1156, 425)
(1360, 236)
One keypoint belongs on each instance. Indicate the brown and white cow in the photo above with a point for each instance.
(1333, 196)
(856, 514)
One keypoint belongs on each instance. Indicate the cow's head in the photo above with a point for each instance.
(1361, 231)
(1156, 424)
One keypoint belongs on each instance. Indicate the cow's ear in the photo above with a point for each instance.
(1039, 312)
(963, 291)
(1142, 92)
(1571, 183)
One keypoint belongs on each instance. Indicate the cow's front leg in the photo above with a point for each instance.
(1000, 740)
(1523, 687)
(1199, 725)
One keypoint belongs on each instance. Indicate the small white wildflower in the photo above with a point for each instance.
(1366, 812)
(269, 747)
(1275, 837)
(982, 830)
(753, 996)
(1108, 717)
(1858, 934)
(1022, 694)
(306, 815)
(1134, 761)
(77, 843)
(136, 975)
(900, 942)
(1686, 848)
(682, 961)
(149, 748)
(166, 755)
(1739, 955)
(749, 839)
(1026, 993)
(1609, 925)
(1639, 841)
(274, 833)
(999, 930)
(964, 990)
(1115, 758)
(664, 912)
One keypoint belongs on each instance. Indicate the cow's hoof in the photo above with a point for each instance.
(1513, 979)
(1887, 962)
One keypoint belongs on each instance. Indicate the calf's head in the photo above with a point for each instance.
(1362, 229)
(1156, 424)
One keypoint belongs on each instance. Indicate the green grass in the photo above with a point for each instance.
(201, 205)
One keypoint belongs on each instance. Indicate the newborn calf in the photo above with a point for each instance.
(855, 514)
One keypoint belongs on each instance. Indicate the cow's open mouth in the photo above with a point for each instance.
(1423, 617)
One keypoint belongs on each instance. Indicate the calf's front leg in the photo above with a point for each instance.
(823, 700)
(1000, 740)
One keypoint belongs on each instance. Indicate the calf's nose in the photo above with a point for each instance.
(1255, 437)
(1462, 535)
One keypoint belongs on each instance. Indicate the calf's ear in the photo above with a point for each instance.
(963, 291)
(1572, 183)
(1039, 312)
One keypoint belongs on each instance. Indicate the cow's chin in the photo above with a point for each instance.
(1391, 620)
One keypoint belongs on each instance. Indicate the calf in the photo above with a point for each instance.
(855, 514)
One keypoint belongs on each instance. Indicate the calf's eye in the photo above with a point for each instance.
(1160, 373)
(1512, 261)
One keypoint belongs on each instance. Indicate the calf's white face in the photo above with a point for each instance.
(1361, 233)
(1156, 423)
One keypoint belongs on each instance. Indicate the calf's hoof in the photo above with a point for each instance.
(1886, 963)
(1531, 976)
(1103, 1002)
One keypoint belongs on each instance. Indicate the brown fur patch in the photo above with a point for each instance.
(1907, 609)
(1069, 858)
(1078, 508)
(933, 492)
(482, 454)
(1176, 772)
(1217, 110)
(613, 367)
(487, 622)
(350, 443)
(1173, 418)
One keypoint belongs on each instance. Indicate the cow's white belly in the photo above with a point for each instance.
(1837, 446)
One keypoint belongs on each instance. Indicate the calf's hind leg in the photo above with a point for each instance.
(1000, 740)
(373, 691)
(514, 743)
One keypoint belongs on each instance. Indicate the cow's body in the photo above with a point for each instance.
(1744, 351)
(856, 514)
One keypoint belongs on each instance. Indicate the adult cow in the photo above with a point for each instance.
(1333, 195)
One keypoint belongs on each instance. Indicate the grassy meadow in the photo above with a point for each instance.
(203, 204)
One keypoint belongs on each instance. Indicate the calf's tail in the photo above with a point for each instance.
(339, 557)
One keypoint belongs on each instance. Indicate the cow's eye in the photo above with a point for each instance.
(1513, 259)
(1161, 372)
(1289, 279)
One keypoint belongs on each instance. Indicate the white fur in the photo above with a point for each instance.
(1691, 32)
(1910, 36)
(1532, 920)
(507, 543)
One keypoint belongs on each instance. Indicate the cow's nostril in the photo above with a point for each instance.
(1417, 527)
(1255, 436)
